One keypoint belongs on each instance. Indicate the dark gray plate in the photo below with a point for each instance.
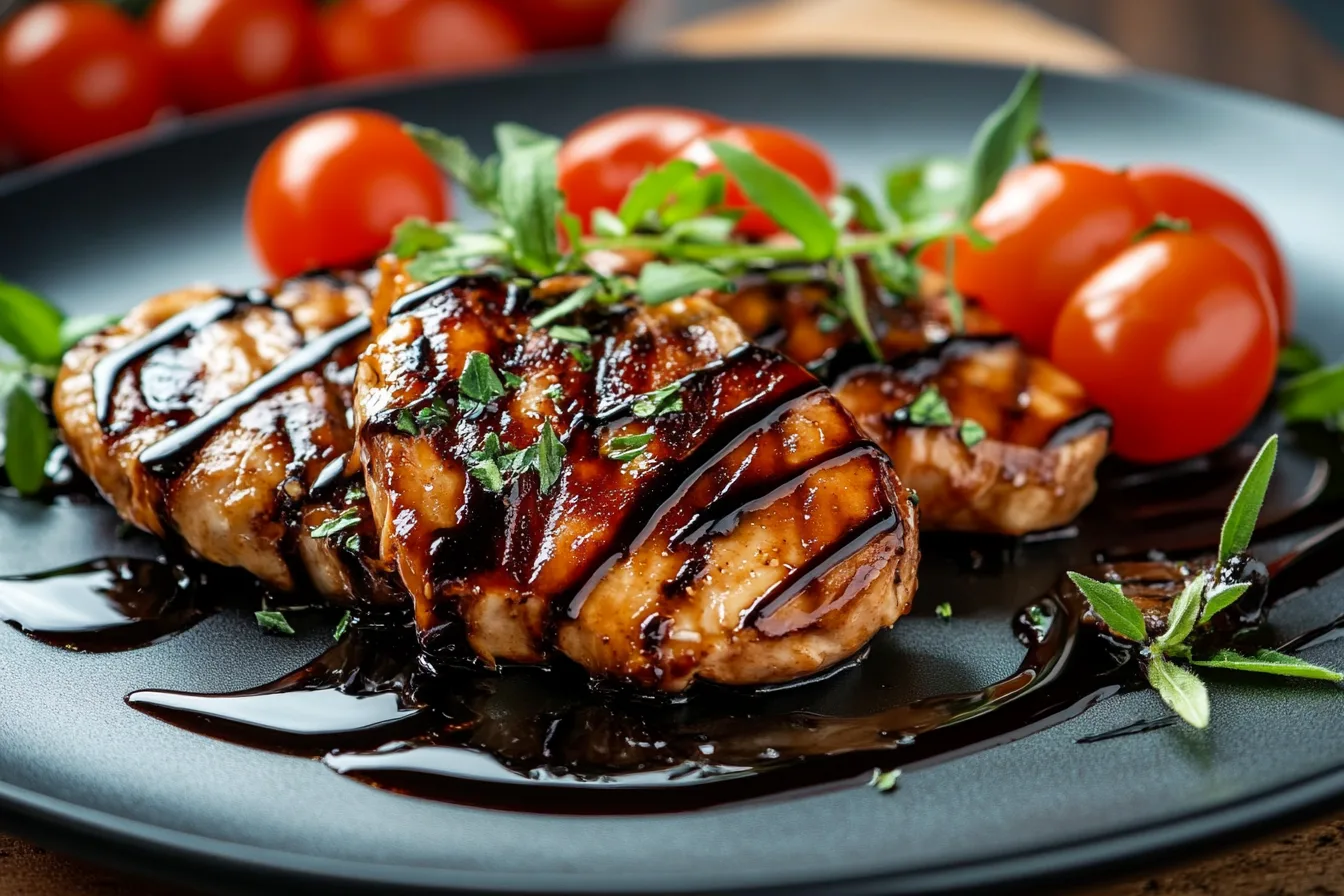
(80, 768)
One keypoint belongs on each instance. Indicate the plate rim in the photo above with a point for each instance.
(126, 843)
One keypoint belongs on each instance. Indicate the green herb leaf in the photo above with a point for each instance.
(895, 271)
(1316, 395)
(930, 190)
(996, 144)
(30, 324)
(1180, 689)
(694, 197)
(929, 409)
(855, 302)
(666, 400)
(708, 231)
(355, 493)
(479, 179)
(479, 384)
(1239, 525)
(406, 422)
(342, 627)
(660, 282)
(1222, 597)
(567, 306)
(1112, 607)
(352, 544)
(1270, 662)
(434, 415)
(415, 235)
(27, 441)
(627, 448)
(511, 379)
(1183, 614)
(554, 392)
(971, 433)
(605, 223)
(581, 357)
(576, 335)
(274, 622)
(76, 328)
(867, 214)
(1298, 357)
(884, 782)
(529, 200)
(550, 457)
(943, 611)
(782, 197)
(488, 474)
(657, 185)
(344, 520)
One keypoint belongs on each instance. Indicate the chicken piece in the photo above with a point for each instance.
(242, 494)
(1029, 465)
(735, 527)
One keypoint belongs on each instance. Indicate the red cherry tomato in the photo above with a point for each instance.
(567, 23)
(600, 160)
(220, 52)
(73, 72)
(1212, 210)
(1176, 337)
(360, 38)
(782, 148)
(1053, 223)
(329, 190)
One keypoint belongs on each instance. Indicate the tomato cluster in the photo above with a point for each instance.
(1173, 328)
(73, 72)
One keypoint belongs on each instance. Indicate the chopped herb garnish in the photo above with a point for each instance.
(884, 782)
(554, 392)
(581, 357)
(971, 432)
(339, 523)
(928, 409)
(406, 422)
(576, 335)
(550, 455)
(342, 626)
(666, 400)
(511, 380)
(568, 305)
(352, 544)
(488, 474)
(355, 493)
(1178, 685)
(627, 448)
(434, 415)
(478, 385)
(274, 622)
(943, 610)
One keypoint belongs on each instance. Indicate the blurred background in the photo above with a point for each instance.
(77, 72)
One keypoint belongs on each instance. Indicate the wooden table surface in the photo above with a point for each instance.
(1295, 64)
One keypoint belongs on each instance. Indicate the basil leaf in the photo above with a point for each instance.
(929, 189)
(1239, 525)
(654, 188)
(568, 305)
(1316, 395)
(1180, 689)
(604, 223)
(550, 455)
(782, 197)
(274, 622)
(855, 302)
(1219, 599)
(660, 282)
(415, 235)
(27, 441)
(1112, 607)
(76, 328)
(999, 139)
(30, 324)
(529, 200)
(479, 179)
(1269, 662)
(1298, 357)
(1183, 614)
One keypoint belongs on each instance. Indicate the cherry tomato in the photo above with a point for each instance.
(1213, 210)
(73, 72)
(600, 160)
(329, 190)
(782, 148)
(1176, 337)
(359, 38)
(1053, 223)
(567, 23)
(220, 52)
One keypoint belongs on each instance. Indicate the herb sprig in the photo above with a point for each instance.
(1169, 655)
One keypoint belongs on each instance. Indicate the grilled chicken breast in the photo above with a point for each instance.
(735, 526)
(145, 409)
(1017, 446)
